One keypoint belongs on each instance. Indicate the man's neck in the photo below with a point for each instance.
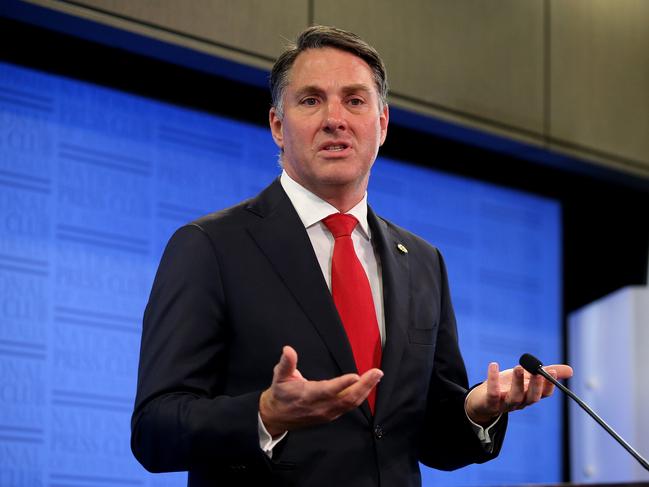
(343, 203)
(311, 208)
(341, 197)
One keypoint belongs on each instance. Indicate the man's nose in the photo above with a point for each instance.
(335, 118)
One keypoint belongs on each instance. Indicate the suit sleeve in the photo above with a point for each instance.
(181, 420)
(448, 441)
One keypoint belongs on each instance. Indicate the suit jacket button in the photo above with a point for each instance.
(378, 432)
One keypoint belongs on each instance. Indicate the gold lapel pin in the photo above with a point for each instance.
(402, 248)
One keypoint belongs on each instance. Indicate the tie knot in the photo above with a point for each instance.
(340, 224)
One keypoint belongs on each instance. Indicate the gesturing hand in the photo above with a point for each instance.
(510, 390)
(293, 401)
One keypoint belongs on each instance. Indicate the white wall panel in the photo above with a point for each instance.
(609, 340)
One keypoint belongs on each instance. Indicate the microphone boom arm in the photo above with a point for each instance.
(534, 366)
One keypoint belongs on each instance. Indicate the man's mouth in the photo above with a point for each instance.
(335, 148)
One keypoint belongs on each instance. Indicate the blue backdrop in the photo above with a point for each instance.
(92, 184)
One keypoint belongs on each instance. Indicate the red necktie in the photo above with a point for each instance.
(352, 295)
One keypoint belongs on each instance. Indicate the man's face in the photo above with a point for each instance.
(332, 125)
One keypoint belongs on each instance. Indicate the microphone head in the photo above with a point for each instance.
(530, 363)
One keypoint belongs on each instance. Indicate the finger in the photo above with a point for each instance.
(535, 389)
(287, 365)
(516, 393)
(483, 403)
(493, 385)
(548, 387)
(371, 378)
(562, 371)
(333, 387)
(358, 392)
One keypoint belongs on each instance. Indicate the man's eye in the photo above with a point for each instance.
(356, 101)
(310, 101)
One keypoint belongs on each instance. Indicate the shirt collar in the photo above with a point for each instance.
(311, 209)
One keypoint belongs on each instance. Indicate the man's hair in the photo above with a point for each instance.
(317, 37)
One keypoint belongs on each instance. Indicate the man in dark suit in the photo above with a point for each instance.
(238, 288)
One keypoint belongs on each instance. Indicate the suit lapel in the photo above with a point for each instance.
(395, 273)
(281, 236)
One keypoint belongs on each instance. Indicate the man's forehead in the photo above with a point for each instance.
(316, 66)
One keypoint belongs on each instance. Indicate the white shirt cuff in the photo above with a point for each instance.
(483, 433)
(266, 441)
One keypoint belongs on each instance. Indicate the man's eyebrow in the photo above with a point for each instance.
(308, 89)
(353, 88)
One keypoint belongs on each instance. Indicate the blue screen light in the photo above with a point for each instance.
(92, 184)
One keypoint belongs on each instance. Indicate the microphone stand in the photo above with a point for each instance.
(534, 366)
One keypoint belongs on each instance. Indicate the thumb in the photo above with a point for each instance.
(493, 384)
(287, 365)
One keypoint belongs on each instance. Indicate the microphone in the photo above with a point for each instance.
(534, 366)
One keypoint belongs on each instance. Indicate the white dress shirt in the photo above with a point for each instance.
(311, 209)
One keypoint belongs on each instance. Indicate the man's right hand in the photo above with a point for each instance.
(292, 401)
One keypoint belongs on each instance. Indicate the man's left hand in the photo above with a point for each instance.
(510, 390)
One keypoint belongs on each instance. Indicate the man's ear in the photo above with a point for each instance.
(384, 118)
(276, 127)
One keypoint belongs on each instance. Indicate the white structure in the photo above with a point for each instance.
(609, 350)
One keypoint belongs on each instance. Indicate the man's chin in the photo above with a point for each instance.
(341, 173)
(351, 181)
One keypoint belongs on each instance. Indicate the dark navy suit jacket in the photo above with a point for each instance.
(235, 286)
